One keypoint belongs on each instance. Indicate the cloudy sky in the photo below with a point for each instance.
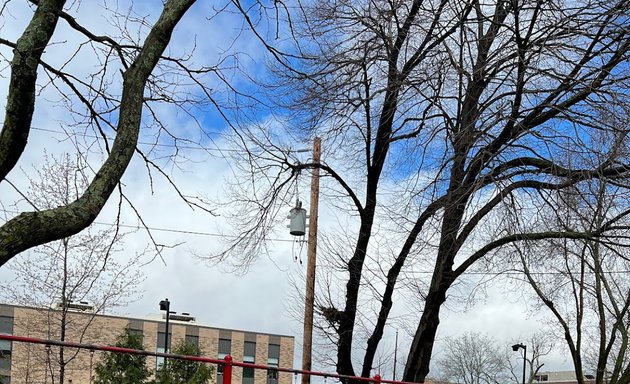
(261, 299)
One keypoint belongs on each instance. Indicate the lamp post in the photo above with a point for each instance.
(515, 348)
(165, 305)
(395, 355)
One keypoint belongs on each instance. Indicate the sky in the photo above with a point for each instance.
(262, 298)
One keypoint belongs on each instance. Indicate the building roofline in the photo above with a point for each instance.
(195, 324)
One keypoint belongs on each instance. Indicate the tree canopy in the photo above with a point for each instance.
(123, 368)
(447, 130)
(183, 371)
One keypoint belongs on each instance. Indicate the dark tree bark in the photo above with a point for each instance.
(21, 98)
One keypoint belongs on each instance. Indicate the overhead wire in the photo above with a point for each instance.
(158, 229)
(169, 230)
(48, 130)
(212, 234)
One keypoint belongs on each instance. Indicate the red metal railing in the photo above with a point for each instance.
(227, 362)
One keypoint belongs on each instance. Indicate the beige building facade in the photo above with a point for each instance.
(24, 363)
(560, 377)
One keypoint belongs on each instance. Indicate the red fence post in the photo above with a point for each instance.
(227, 370)
(377, 379)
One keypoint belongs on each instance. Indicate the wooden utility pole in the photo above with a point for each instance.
(309, 303)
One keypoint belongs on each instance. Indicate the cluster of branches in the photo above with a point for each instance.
(470, 114)
(587, 292)
(115, 87)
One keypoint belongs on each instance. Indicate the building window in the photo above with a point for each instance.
(542, 377)
(161, 340)
(161, 348)
(249, 356)
(274, 354)
(5, 348)
(249, 352)
(5, 362)
(6, 327)
(225, 348)
(248, 373)
(273, 360)
(193, 340)
(5, 379)
(139, 333)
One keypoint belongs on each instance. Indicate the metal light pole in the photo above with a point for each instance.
(395, 355)
(515, 348)
(165, 305)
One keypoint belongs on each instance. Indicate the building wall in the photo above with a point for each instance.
(28, 362)
(554, 377)
(262, 351)
(286, 356)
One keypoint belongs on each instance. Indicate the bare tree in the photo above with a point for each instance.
(75, 273)
(472, 358)
(589, 294)
(440, 122)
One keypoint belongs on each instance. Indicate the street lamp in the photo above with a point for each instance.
(165, 305)
(515, 348)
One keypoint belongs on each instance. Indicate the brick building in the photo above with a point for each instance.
(22, 363)
(560, 377)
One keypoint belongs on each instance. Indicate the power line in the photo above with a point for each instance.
(212, 234)
(199, 147)
(183, 231)
(87, 135)
(170, 230)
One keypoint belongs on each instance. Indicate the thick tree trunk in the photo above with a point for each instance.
(355, 264)
(347, 320)
(21, 98)
(419, 356)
